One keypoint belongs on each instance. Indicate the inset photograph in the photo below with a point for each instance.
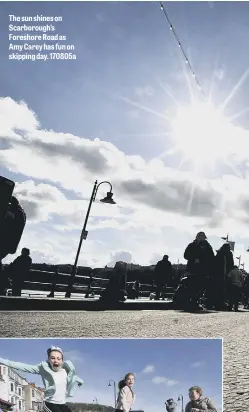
(85, 375)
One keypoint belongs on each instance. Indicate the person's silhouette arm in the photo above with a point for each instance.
(189, 252)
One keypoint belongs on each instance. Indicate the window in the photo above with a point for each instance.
(4, 370)
(20, 391)
(12, 387)
(33, 393)
(20, 405)
(12, 399)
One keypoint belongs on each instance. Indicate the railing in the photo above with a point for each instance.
(38, 280)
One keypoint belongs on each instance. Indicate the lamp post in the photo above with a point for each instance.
(108, 199)
(243, 265)
(225, 238)
(180, 398)
(115, 394)
(239, 258)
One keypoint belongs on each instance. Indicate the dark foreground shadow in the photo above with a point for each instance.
(13, 303)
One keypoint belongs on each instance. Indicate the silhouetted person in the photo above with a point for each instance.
(223, 263)
(20, 268)
(131, 291)
(246, 292)
(4, 281)
(115, 289)
(171, 405)
(12, 228)
(89, 285)
(200, 257)
(163, 273)
(54, 282)
(235, 283)
(137, 288)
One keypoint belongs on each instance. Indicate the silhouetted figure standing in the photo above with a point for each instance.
(20, 268)
(246, 292)
(224, 263)
(200, 257)
(116, 288)
(235, 283)
(137, 288)
(163, 272)
(89, 285)
(12, 226)
(54, 282)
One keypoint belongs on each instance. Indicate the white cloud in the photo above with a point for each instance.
(198, 364)
(152, 199)
(149, 369)
(157, 380)
(74, 356)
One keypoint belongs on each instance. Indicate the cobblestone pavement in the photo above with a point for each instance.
(233, 327)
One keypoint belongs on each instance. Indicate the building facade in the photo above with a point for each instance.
(33, 397)
(14, 388)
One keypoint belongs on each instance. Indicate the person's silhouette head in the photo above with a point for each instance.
(201, 237)
(25, 251)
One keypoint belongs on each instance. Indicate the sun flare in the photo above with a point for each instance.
(202, 134)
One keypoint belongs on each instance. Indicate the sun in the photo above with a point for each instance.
(202, 134)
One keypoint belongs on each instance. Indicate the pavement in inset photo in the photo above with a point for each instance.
(233, 327)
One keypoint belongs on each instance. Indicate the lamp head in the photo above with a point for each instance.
(108, 199)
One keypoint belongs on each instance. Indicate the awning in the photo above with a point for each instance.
(3, 402)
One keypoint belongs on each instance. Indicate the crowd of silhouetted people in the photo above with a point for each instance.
(211, 280)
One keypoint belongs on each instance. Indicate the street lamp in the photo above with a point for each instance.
(180, 398)
(108, 199)
(115, 394)
(239, 257)
(225, 238)
(95, 400)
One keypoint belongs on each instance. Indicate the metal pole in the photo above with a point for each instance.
(74, 270)
(115, 395)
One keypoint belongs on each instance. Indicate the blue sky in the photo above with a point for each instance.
(114, 114)
(164, 368)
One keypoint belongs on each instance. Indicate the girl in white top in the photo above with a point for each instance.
(126, 396)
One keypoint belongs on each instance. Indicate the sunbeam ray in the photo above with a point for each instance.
(140, 106)
(237, 115)
(235, 89)
(169, 94)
